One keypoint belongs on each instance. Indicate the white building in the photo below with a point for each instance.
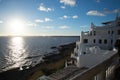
(98, 43)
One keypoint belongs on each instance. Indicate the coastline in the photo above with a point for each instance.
(51, 64)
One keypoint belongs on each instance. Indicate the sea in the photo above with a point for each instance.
(24, 51)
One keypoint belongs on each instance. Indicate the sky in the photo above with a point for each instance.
(54, 17)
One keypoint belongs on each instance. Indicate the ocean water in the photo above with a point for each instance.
(24, 51)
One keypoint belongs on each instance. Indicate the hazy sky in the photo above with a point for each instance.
(54, 17)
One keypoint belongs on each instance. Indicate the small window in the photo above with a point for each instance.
(100, 41)
(84, 52)
(105, 41)
(118, 32)
(108, 32)
(94, 41)
(112, 32)
(111, 41)
(94, 33)
(85, 41)
(117, 42)
(118, 23)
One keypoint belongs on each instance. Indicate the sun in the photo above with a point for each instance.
(16, 26)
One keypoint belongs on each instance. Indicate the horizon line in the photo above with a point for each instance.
(37, 35)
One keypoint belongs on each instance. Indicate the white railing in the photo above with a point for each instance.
(87, 33)
(103, 71)
(77, 43)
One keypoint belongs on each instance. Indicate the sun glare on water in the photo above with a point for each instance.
(16, 26)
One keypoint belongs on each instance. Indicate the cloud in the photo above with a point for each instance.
(95, 13)
(64, 27)
(32, 24)
(47, 19)
(43, 20)
(98, 1)
(39, 21)
(63, 7)
(1, 22)
(106, 11)
(84, 26)
(102, 13)
(66, 17)
(75, 16)
(44, 9)
(47, 27)
(68, 2)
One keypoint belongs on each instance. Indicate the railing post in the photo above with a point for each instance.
(102, 75)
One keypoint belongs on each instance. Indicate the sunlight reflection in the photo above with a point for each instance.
(17, 52)
(17, 48)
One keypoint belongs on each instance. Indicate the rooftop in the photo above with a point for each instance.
(107, 22)
(66, 73)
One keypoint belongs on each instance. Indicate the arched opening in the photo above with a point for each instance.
(105, 41)
(117, 45)
(94, 41)
(85, 41)
(100, 41)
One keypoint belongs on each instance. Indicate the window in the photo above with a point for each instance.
(100, 41)
(118, 32)
(111, 41)
(94, 41)
(118, 23)
(105, 41)
(108, 32)
(94, 33)
(112, 32)
(85, 41)
(84, 52)
(117, 42)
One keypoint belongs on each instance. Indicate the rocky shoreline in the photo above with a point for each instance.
(52, 62)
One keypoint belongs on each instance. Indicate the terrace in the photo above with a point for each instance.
(105, 70)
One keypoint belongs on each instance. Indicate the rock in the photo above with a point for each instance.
(54, 47)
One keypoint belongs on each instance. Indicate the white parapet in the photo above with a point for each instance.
(93, 56)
